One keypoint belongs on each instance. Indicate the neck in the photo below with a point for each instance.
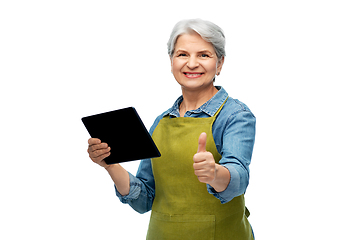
(194, 99)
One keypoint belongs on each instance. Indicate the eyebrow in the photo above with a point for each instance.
(202, 51)
(206, 51)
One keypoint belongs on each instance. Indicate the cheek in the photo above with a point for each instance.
(176, 66)
(211, 67)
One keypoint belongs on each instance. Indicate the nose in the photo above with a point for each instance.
(192, 62)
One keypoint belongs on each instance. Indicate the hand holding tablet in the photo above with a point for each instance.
(98, 151)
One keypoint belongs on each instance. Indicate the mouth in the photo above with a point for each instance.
(193, 74)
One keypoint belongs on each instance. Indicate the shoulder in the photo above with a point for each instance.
(234, 107)
(234, 124)
(234, 117)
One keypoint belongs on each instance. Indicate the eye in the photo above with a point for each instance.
(204, 55)
(181, 55)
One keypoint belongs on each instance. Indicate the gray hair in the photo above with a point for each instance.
(209, 31)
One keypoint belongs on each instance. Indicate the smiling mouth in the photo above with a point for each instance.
(192, 74)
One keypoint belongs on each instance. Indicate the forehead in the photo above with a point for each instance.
(193, 42)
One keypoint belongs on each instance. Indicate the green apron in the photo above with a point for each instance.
(183, 209)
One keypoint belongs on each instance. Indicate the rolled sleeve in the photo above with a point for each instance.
(233, 187)
(135, 189)
(142, 189)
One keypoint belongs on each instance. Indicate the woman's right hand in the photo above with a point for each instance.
(98, 151)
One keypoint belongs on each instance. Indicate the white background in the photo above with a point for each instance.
(294, 63)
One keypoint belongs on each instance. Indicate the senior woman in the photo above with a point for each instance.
(196, 188)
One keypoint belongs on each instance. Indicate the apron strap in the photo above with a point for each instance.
(218, 111)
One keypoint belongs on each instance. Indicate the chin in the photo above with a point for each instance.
(195, 85)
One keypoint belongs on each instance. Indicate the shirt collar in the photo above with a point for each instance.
(210, 107)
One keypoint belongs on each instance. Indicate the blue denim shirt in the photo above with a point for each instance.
(234, 136)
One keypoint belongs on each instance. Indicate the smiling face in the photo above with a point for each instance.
(194, 63)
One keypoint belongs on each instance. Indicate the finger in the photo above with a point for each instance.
(205, 175)
(205, 179)
(199, 157)
(93, 141)
(203, 162)
(100, 157)
(99, 154)
(197, 166)
(96, 147)
(203, 157)
(202, 143)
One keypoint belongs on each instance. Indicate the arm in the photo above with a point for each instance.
(230, 177)
(142, 189)
(238, 137)
(120, 177)
(137, 191)
(98, 151)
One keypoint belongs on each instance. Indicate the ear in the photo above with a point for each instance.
(219, 65)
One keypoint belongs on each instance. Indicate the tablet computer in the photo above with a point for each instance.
(124, 132)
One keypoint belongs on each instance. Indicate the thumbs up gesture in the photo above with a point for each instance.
(204, 163)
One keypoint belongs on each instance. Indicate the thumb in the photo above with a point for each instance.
(202, 143)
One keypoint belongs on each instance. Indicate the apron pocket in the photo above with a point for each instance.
(180, 227)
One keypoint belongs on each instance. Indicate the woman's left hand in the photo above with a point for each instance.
(204, 162)
(206, 170)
